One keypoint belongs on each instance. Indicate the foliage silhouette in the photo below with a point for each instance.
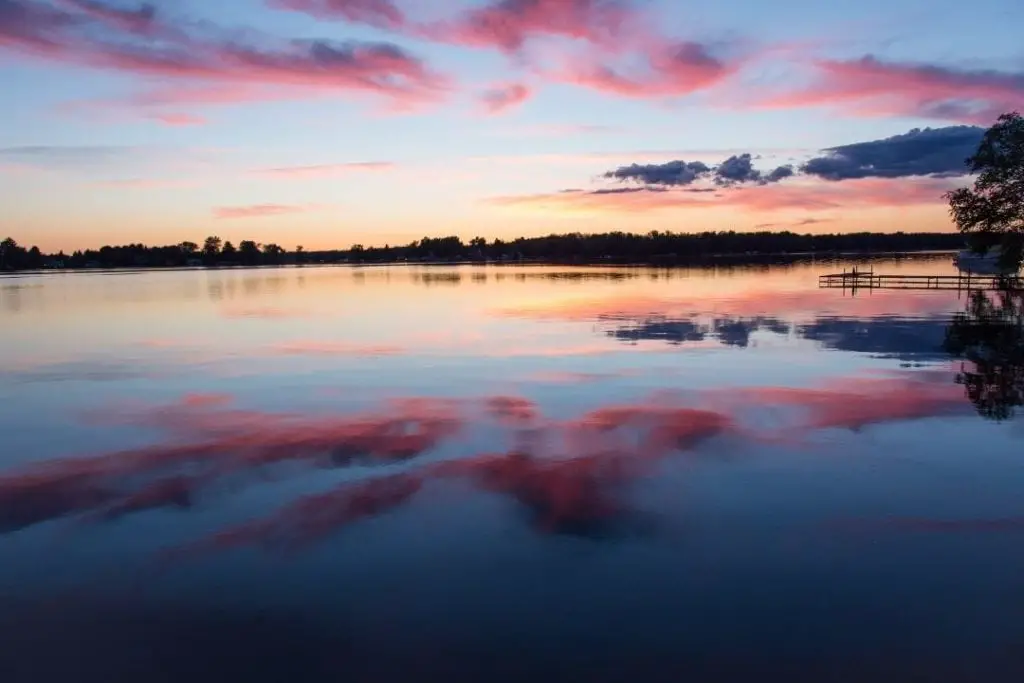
(15, 257)
(248, 252)
(211, 248)
(992, 212)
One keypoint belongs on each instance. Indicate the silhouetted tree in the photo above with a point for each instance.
(249, 252)
(273, 253)
(992, 212)
(989, 336)
(228, 252)
(188, 248)
(16, 257)
(443, 248)
(8, 251)
(211, 248)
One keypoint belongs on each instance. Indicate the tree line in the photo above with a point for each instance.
(653, 247)
(614, 247)
(213, 252)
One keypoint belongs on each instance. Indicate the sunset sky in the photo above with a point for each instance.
(331, 122)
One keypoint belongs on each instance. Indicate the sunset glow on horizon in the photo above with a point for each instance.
(326, 123)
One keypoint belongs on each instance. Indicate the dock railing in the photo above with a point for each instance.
(868, 279)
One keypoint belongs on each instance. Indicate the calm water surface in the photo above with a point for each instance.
(508, 473)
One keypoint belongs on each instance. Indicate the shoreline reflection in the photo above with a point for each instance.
(989, 336)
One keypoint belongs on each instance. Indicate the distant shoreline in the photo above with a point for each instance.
(781, 258)
(612, 248)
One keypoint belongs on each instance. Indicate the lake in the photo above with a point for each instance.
(509, 473)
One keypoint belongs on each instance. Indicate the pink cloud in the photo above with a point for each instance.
(811, 196)
(568, 496)
(211, 440)
(376, 68)
(503, 98)
(379, 13)
(512, 409)
(622, 53)
(870, 192)
(173, 492)
(508, 24)
(871, 87)
(664, 429)
(80, 34)
(855, 403)
(312, 519)
(177, 119)
(33, 28)
(566, 478)
(255, 211)
(327, 170)
(658, 67)
(670, 70)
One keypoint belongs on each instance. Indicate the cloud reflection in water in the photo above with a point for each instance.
(570, 475)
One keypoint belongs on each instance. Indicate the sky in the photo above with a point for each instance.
(326, 123)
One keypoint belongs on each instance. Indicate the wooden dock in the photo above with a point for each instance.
(868, 279)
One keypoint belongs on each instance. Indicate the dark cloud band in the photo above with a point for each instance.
(929, 152)
(735, 170)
